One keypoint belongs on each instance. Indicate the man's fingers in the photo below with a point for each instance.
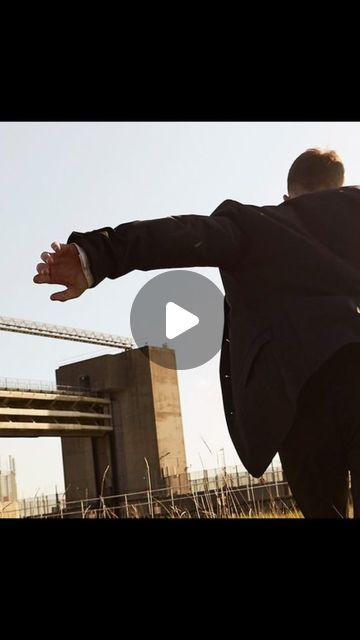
(42, 268)
(67, 294)
(47, 257)
(42, 278)
(56, 246)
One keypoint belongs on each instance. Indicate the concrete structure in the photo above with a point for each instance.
(25, 413)
(8, 492)
(146, 443)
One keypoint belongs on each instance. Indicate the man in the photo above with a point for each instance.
(291, 344)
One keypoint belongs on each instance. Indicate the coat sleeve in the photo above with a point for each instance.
(165, 243)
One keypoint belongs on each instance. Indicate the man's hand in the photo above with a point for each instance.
(62, 267)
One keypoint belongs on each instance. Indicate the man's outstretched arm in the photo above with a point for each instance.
(172, 242)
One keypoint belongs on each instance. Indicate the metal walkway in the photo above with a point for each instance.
(17, 325)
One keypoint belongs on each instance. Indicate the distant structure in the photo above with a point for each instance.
(8, 491)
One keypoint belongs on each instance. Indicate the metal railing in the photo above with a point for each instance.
(45, 386)
(209, 479)
(153, 502)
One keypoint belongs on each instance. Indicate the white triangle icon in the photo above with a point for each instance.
(178, 320)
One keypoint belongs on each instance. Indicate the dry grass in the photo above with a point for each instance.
(222, 504)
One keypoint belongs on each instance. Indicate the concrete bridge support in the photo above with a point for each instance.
(146, 442)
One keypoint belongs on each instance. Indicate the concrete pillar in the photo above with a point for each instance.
(146, 420)
(79, 470)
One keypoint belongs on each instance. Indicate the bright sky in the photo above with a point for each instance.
(60, 177)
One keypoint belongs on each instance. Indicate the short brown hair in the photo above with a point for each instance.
(316, 170)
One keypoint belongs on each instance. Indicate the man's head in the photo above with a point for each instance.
(315, 170)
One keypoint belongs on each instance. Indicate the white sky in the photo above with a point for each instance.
(60, 177)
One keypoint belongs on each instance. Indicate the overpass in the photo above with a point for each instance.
(34, 412)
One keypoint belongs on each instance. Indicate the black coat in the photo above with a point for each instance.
(291, 275)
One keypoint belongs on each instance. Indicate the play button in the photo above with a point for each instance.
(178, 320)
(182, 310)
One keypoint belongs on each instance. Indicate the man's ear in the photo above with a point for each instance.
(286, 197)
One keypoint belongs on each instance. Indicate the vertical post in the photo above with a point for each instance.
(149, 491)
(276, 482)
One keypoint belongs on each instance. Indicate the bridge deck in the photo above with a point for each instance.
(34, 413)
